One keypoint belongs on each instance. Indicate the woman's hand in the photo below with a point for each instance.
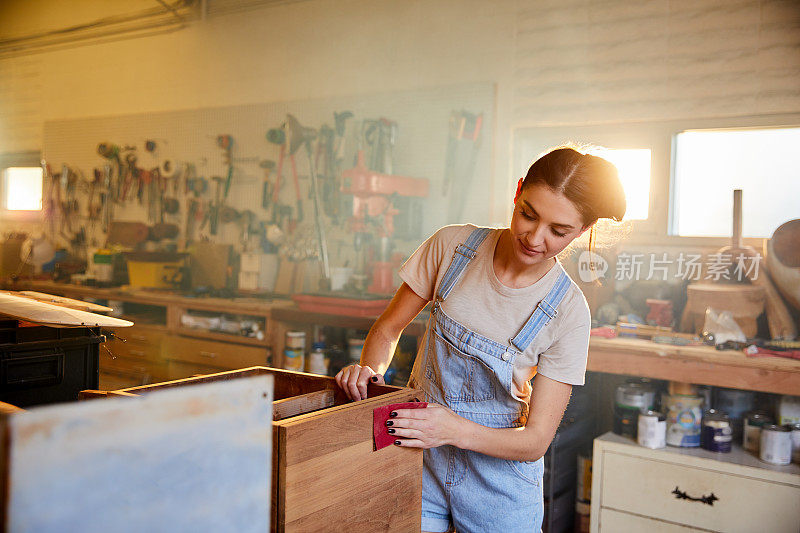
(433, 426)
(353, 380)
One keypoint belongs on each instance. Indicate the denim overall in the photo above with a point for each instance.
(472, 375)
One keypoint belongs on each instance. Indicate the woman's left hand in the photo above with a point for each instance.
(435, 425)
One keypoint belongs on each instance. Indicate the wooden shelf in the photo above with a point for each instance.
(701, 365)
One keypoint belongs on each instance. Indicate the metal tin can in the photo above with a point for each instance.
(294, 359)
(716, 435)
(630, 399)
(796, 443)
(776, 444)
(652, 429)
(751, 436)
(296, 340)
(684, 414)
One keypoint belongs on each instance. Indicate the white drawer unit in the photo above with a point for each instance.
(689, 489)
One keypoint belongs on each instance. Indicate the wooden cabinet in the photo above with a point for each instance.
(325, 474)
(679, 489)
(187, 356)
(132, 356)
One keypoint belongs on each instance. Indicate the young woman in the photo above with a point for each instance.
(503, 312)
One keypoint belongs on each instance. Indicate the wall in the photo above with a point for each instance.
(553, 62)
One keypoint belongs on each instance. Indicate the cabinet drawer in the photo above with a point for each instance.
(615, 521)
(149, 371)
(182, 370)
(222, 355)
(140, 342)
(645, 486)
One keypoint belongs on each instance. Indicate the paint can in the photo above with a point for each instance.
(295, 351)
(789, 409)
(630, 398)
(684, 414)
(795, 443)
(776, 444)
(296, 340)
(736, 403)
(751, 434)
(716, 435)
(652, 431)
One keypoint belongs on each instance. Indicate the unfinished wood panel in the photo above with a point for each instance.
(186, 459)
(305, 403)
(326, 463)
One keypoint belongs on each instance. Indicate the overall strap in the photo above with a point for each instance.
(464, 253)
(545, 311)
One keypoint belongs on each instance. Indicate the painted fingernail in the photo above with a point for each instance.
(389, 423)
(390, 431)
(374, 379)
(393, 414)
(397, 443)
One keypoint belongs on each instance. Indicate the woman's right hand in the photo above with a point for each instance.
(353, 380)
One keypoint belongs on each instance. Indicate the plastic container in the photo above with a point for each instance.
(154, 275)
(41, 365)
(652, 431)
(317, 362)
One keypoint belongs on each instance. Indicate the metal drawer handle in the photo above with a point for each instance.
(208, 354)
(708, 500)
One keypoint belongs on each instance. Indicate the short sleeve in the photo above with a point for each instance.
(421, 270)
(565, 359)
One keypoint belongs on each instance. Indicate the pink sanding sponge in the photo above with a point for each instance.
(380, 415)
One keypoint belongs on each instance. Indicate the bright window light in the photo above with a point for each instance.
(23, 189)
(634, 173)
(710, 164)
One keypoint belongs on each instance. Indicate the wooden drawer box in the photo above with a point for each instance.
(225, 355)
(325, 474)
(140, 342)
(690, 488)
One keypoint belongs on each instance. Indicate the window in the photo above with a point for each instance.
(633, 166)
(22, 189)
(710, 164)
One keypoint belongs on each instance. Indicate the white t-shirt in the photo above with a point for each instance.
(483, 304)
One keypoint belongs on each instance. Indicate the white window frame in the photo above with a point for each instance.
(659, 137)
(20, 159)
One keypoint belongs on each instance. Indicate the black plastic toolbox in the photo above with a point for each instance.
(41, 365)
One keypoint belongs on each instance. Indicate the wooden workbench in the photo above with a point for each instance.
(693, 364)
(702, 365)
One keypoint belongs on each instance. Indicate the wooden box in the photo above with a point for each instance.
(325, 474)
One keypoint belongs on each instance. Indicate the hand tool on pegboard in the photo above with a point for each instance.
(266, 186)
(278, 137)
(463, 145)
(214, 209)
(111, 152)
(298, 136)
(226, 143)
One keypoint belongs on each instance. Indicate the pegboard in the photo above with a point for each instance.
(189, 136)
